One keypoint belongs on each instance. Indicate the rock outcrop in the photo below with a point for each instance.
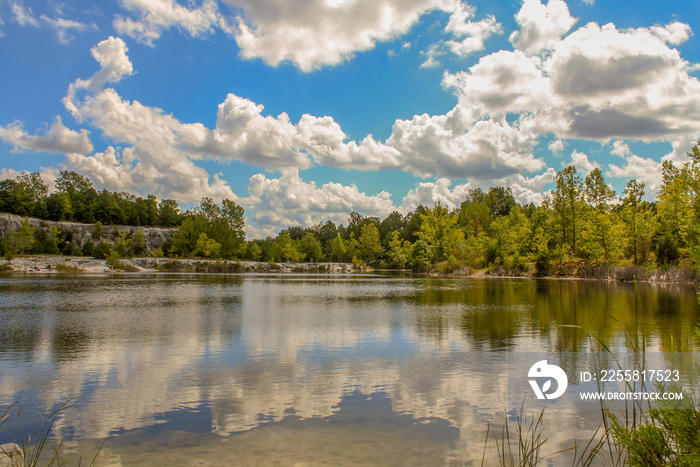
(80, 233)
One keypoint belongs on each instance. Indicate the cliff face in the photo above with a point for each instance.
(81, 233)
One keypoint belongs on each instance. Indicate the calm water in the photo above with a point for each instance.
(313, 370)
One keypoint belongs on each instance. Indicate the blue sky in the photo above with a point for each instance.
(304, 111)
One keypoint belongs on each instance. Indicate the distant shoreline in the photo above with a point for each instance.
(56, 264)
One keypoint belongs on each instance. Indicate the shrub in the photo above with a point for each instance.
(102, 250)
(667, 251)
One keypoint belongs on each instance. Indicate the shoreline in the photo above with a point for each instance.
(57, 264)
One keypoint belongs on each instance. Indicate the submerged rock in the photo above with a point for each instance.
(11, 455)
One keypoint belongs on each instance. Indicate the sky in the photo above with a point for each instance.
(303, 111)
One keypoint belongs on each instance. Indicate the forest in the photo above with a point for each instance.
(584, 221)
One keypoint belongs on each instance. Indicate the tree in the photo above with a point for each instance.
(338, 251)
(206, 247)
(475, 214)
(72, 182)
(601, 230)
(394, 222)
(139, 243)
(310, 247)
(439, 233)
(14, 198)
(633, 197)
(675, 203)
(399, 250)
(20, 241)
(567, 204)
(597, 193)
(369, 242)
(34, 185)
(168, 213)
(500, 201)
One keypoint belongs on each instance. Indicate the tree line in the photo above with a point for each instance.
(584, 221)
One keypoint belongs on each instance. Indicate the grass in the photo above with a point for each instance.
(639, 436)
(32, 453)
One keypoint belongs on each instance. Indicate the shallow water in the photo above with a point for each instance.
(316, 370)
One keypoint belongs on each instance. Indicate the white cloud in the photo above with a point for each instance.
(452, 146)
(640, 168)
(470, 35)
(64, 26)
(11, 174)
(57, 138)
(24, 15)
(675, 33)
(581, 162)
(529, 190)
(620, 149)
(541, 27)
(314, 33)
(597, 83)
(154, 16)
(156, 162)
(500, 83)
(278, 203)
(556, 146)
(429, 193)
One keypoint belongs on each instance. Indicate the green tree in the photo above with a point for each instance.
(311, 248)
(601, 233)
(20, 241)
(206, 247)
(254, 251)
(14, 198)
(139, 243)
(632, 201)
(399, 251)
(370, 246)
(440, 234)
(500, 201)
(675, 202)
(168, 213)
(475, 214)
(567, 199)
(338, 251)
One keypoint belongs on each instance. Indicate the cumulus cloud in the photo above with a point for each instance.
(528, 190)
(581, 162)
(596, 83)
(154, 16)
(620, 149)
(640, 168)
(541, 27)
(155, 161)
(470, 36)
(556, 146)
(57, 138)
(315, 33)
(674, 34)
(429, 193)
(276, 203)
(309, 34)
(452, 146)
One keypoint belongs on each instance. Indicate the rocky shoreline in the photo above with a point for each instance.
(56, 264)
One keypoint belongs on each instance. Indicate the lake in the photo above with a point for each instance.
(184, 369)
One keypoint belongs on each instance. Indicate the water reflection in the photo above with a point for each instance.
(418, 366)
